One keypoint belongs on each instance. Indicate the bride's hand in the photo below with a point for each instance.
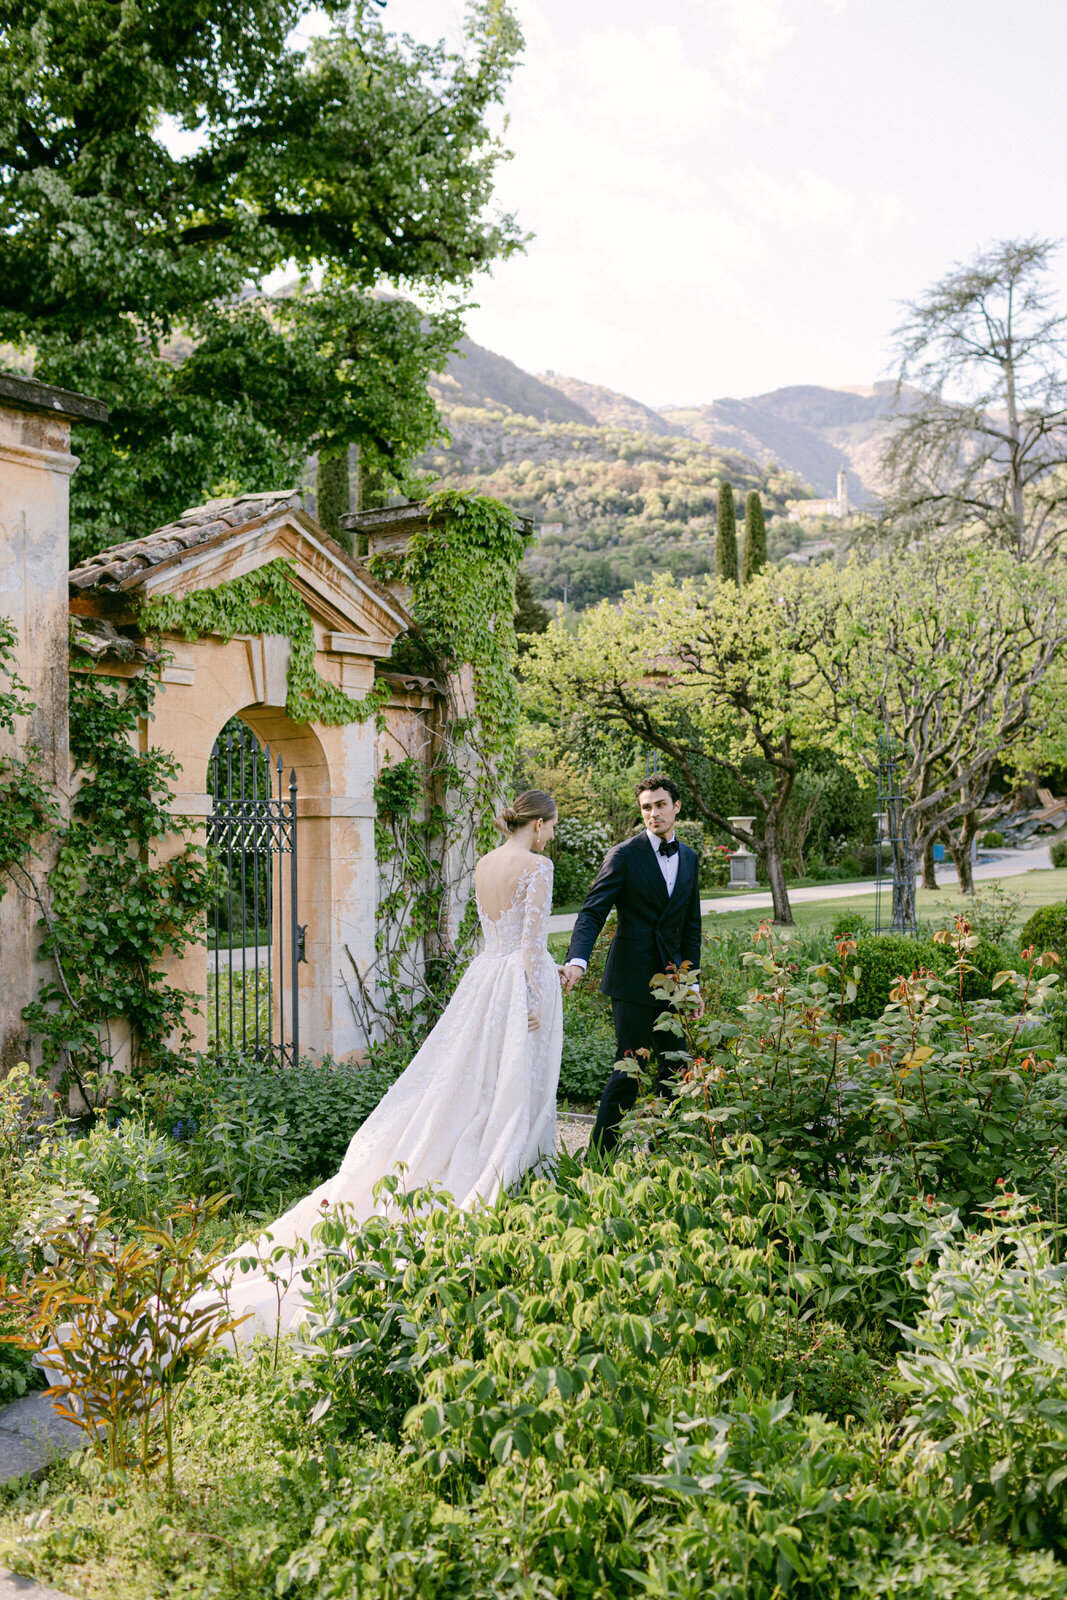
(532, 1022)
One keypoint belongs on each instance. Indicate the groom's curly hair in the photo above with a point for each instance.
(658, 780)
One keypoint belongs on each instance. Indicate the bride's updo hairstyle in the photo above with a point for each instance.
(532, 805)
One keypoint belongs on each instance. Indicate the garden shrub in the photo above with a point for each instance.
(850, 924)
(992, 913)
(585, 1375)
(882, 958)
(1058, 852)
(577, 851)
(692, 834)
(993, 839)
(722, 977)
(943, 1569)
(823, 1366)
(1047, 930)
(133, 1170)
(557, 1298)
(987, 1379)
(261, 1130)
(588, 1048)
(945, 1091)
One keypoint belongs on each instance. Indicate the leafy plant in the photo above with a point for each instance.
(112, 1320)
(27, 808)
(134, 1171)
(986, 1378)
(114, 907)
(940, 1089)
(1058, 852)
(588, 1048)
(261, 1129)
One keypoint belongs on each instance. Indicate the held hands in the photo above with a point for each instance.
(569, 976)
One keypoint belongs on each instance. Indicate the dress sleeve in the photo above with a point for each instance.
(536, 908)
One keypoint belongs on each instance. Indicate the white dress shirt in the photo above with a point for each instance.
(668, 865)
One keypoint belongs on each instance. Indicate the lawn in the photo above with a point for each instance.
(1031, 890)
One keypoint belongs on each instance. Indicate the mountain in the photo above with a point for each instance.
(622, 490)
(614, 506)
(811, 430)
(476, 377)
(807, 430)
(615, 410)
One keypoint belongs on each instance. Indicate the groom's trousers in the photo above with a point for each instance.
(636, 1028)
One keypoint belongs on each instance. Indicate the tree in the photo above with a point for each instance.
(981, 449)
(726, 537)
(530, 615)
(946, 655)
(754, 555)
(136, 273)
(707, 679)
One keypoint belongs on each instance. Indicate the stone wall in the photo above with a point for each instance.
(36, 465)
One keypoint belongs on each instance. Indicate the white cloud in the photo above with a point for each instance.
(754, 30)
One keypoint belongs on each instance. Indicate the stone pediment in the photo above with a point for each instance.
(227, 539)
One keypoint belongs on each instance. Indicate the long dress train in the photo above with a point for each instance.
(473, 1111)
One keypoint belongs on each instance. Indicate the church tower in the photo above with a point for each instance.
(843, 506)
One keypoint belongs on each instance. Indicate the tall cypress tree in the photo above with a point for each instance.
(726, 537)
(332, 494)
(754, 553)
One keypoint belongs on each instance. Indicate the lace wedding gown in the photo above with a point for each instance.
(474, 1110)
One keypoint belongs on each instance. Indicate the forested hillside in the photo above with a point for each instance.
(615, 505)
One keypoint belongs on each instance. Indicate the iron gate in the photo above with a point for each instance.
(252, 833)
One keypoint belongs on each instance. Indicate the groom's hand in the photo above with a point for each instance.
(571, 973)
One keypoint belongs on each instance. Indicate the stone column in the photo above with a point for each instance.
(36, 465)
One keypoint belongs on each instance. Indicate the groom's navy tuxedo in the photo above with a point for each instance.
(654, 931)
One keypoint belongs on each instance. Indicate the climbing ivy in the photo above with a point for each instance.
(265, 601)
(460, 570)
(113, 907)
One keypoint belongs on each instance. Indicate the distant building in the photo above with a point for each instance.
(841, 506)
(812, 552)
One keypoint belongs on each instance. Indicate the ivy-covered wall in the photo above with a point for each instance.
(390, 831)
(458, 567)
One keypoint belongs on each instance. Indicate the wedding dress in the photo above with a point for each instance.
(473, 1111)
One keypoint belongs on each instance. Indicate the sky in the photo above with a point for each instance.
(729, 196)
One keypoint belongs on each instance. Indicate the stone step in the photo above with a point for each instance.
(13, 1587)
(32, 1436)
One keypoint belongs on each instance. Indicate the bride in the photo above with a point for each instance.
(476, 1106)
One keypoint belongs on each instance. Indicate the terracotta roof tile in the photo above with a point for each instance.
(194, 527)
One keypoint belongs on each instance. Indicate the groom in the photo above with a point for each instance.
(653, 881)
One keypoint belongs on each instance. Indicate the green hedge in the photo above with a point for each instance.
(1047, 930)
(885, 957)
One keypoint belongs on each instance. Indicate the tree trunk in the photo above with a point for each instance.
(929, 866)
(960, 850)
(772, 860)
(903, 920)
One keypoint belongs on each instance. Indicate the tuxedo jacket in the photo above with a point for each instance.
(653, 931)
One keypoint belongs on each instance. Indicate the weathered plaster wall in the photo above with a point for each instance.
(35, 470)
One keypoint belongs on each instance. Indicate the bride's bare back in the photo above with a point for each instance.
(496, 877)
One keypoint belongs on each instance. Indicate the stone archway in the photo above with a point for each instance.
(210, 679)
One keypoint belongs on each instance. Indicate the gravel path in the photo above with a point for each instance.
(573, 1132)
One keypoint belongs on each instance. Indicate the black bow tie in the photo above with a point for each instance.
(668, 847)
